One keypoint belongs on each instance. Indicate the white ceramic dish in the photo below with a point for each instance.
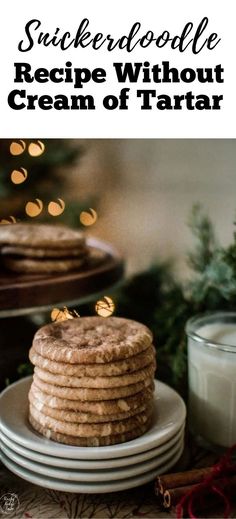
(54, 461)
(93, 475)
(88, 488)
(169, 417)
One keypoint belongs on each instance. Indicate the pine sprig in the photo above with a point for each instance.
(157, 299)
(206, 246)
(214, 284)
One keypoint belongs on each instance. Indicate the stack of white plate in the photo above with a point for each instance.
(90, 469)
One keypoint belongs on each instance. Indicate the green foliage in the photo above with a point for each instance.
(46, 180)
(157, 299)
(206, 245)
(214, 284)
(25, 369)
(42, 170)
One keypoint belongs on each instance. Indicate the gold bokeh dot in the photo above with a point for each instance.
(105, 307)
(63, 315)
(57, 315)
(9, 220)
(88, 217)
(36, 149)
(18, 176)
(17, 148)
(34, 209)
(56, 208)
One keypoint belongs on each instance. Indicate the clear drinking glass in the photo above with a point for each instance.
(212, 377)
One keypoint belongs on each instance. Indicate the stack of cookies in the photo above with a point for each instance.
(93, 381)
(41, 248)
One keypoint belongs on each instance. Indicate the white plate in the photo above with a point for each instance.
(92, 464)
(87, 488)
(93, 475)
(169, 416)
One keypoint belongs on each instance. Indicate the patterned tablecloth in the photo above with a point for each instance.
(36, 502)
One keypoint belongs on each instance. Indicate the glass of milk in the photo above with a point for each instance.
(212, 377)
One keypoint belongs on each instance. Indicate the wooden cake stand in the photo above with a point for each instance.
(22, 294)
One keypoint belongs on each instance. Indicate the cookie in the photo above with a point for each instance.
(91, 340)
(78, 417)
(87, 394)
(92, 441)
(119, 367)
(107, 407)
(46, 266)
(41, 235)
(96, 382)
(36, 252)
(94, 429)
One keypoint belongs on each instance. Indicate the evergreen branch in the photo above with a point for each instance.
(203, 231)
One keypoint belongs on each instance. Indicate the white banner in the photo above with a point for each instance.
(97, 68)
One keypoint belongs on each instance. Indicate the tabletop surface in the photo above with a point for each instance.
(38, 503)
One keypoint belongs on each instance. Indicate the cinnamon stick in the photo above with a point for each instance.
(172, 496)
(181, 479)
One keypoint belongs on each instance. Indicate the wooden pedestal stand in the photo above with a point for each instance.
(22, 295)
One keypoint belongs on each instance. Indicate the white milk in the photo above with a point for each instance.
(212, 382)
